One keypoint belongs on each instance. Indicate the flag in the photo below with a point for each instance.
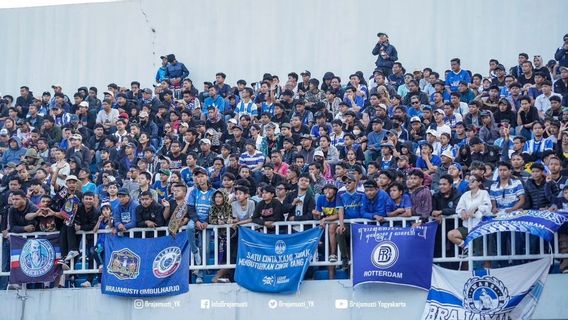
(393, 255)
(146, 267)
(541, 223)
(274, 263)
(496, 294)
(35, 259)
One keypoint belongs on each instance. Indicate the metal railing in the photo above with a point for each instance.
(446, 252)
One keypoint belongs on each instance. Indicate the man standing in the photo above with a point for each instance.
(386, 53)
(199, 201)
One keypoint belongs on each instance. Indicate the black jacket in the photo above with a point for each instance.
(268, 212)
(307, 207)
(446, 204)
(155, 213)
(17, 219)
(87, 219)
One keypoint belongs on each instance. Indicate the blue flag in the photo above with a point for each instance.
(35, 259)
(393, 255)
(540, 223)
(146, 267)
(274, 263)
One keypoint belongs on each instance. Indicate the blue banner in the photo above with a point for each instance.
(35, 259)
(393, 255)
(274, 263)
(540, 223)
(146, 267)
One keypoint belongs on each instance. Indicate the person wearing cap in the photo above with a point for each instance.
(349, 205)
(304, 86)
(124, 213)
(162, 70)
(373, 206)
(199, 201)
(441, 126)
(78, 150)
(483, 152)
(386, 54)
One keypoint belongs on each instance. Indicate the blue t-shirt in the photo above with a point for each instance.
(453, 79)
(421, 164)
(351, 204)
(405, 203)
(326, 207)
(202, 202)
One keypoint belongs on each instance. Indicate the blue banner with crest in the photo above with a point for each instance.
(393, 255)
(274, 263)
(541, 223)
(146, 267)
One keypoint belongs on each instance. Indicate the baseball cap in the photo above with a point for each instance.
(71, 177)
(319, 153)
(205, 140)
(123, 191)
(475, 140)
(415, 119)
(76, 136)
(306, 73)
(144, 114)
(448, 153)
(83, 104)
(233, 121)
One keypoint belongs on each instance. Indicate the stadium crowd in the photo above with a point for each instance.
(396, 144)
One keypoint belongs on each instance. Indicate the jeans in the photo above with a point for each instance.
(195, 245)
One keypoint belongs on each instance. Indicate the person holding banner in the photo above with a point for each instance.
(472, 206)
(374, 202)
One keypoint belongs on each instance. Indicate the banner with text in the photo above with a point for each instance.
(146, 267)
(274, 263)
(393, 255)
(496, 294)
(541, 223)
(35, 259)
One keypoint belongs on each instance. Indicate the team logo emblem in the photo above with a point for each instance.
(385, 255)
(166, 262)
(485, 296)
(124, 264)
(37, 257)
(280, 247)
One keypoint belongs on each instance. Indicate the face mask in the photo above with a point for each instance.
(356, 132)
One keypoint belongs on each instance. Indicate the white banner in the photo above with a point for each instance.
(486, 294)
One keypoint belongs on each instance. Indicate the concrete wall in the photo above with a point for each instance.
(96, 44)
(229, 301)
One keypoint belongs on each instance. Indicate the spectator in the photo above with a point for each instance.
(472, 206)
(149, 214)
(386, 53)
(124, 213)
(419, 195)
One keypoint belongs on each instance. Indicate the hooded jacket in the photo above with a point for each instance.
(13, 155)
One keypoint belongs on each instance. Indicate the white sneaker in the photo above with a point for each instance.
(14, 286)
(198, 280)
(86, 284)
(71, 255)
(63, 265)
(197, 258)
(333, 258)
(98, 285)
